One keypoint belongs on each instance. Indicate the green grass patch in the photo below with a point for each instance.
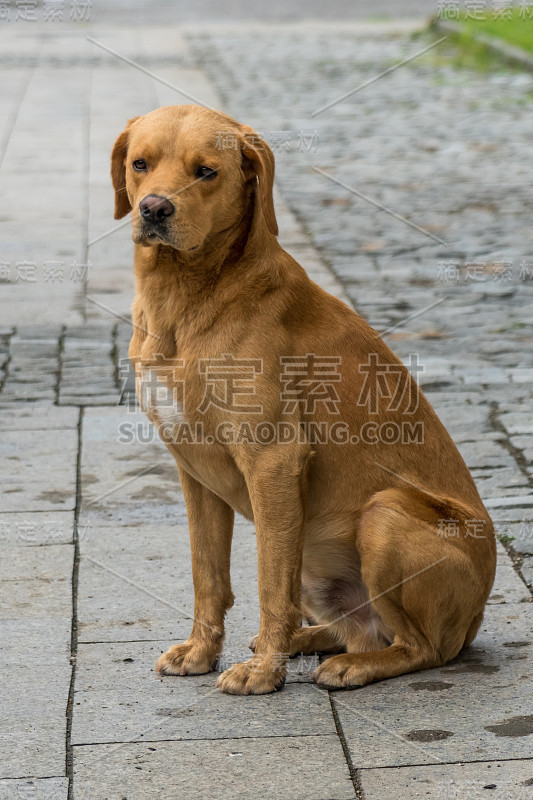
(472, 54)
(463, 51)
(516, 30)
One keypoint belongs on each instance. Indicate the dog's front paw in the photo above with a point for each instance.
(255, 676)
(187, 659)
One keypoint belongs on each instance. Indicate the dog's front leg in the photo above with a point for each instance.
(276, 484)
(211, 530)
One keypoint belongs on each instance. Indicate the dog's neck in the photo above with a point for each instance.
(231, 267)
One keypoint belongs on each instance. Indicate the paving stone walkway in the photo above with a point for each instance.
(95, 561)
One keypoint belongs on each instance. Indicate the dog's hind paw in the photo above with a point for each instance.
(339, 672)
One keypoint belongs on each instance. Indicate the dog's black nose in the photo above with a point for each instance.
(155, 208)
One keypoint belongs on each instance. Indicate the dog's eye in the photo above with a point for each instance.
(139, 165)
(206, 173)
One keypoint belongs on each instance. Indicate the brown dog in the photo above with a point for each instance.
(279, 402)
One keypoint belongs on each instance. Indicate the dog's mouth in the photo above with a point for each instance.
(149, 235)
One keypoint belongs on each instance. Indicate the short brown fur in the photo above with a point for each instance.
(347, 534)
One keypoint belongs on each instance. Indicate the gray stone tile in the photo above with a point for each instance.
(84, 399)
(527, 571)
(36, 669)
(32, 745)
(29, 599)
(136, 583)
(507, 515)
(50, 565)
(520, 534)
(508, 586)
(506, 780)
(518, 422)
(196, 81)
(32, 417)
(484, 454)
(34, 789)
(293, 768)
(525, 444)
(39, 469)
(390, 723)
(486, 375)
(126, 470)
(88, 369)
(35, 629)
(43, 639)
(36, 528)
(500, 482)
(36, 583)
(120, 697)
(115, 605)
(516, 501)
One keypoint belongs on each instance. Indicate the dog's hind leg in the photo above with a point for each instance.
(429, 591)
(313, 639)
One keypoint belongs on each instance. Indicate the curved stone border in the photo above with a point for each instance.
(509, 52)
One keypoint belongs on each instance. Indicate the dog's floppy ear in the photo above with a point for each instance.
(118, 172)
(258, 161)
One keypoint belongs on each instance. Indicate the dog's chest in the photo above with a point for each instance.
(165, 399)
(160, 397)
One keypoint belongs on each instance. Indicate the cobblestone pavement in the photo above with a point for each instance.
(95, 575)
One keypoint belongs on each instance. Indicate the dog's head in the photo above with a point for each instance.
(185, 173)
